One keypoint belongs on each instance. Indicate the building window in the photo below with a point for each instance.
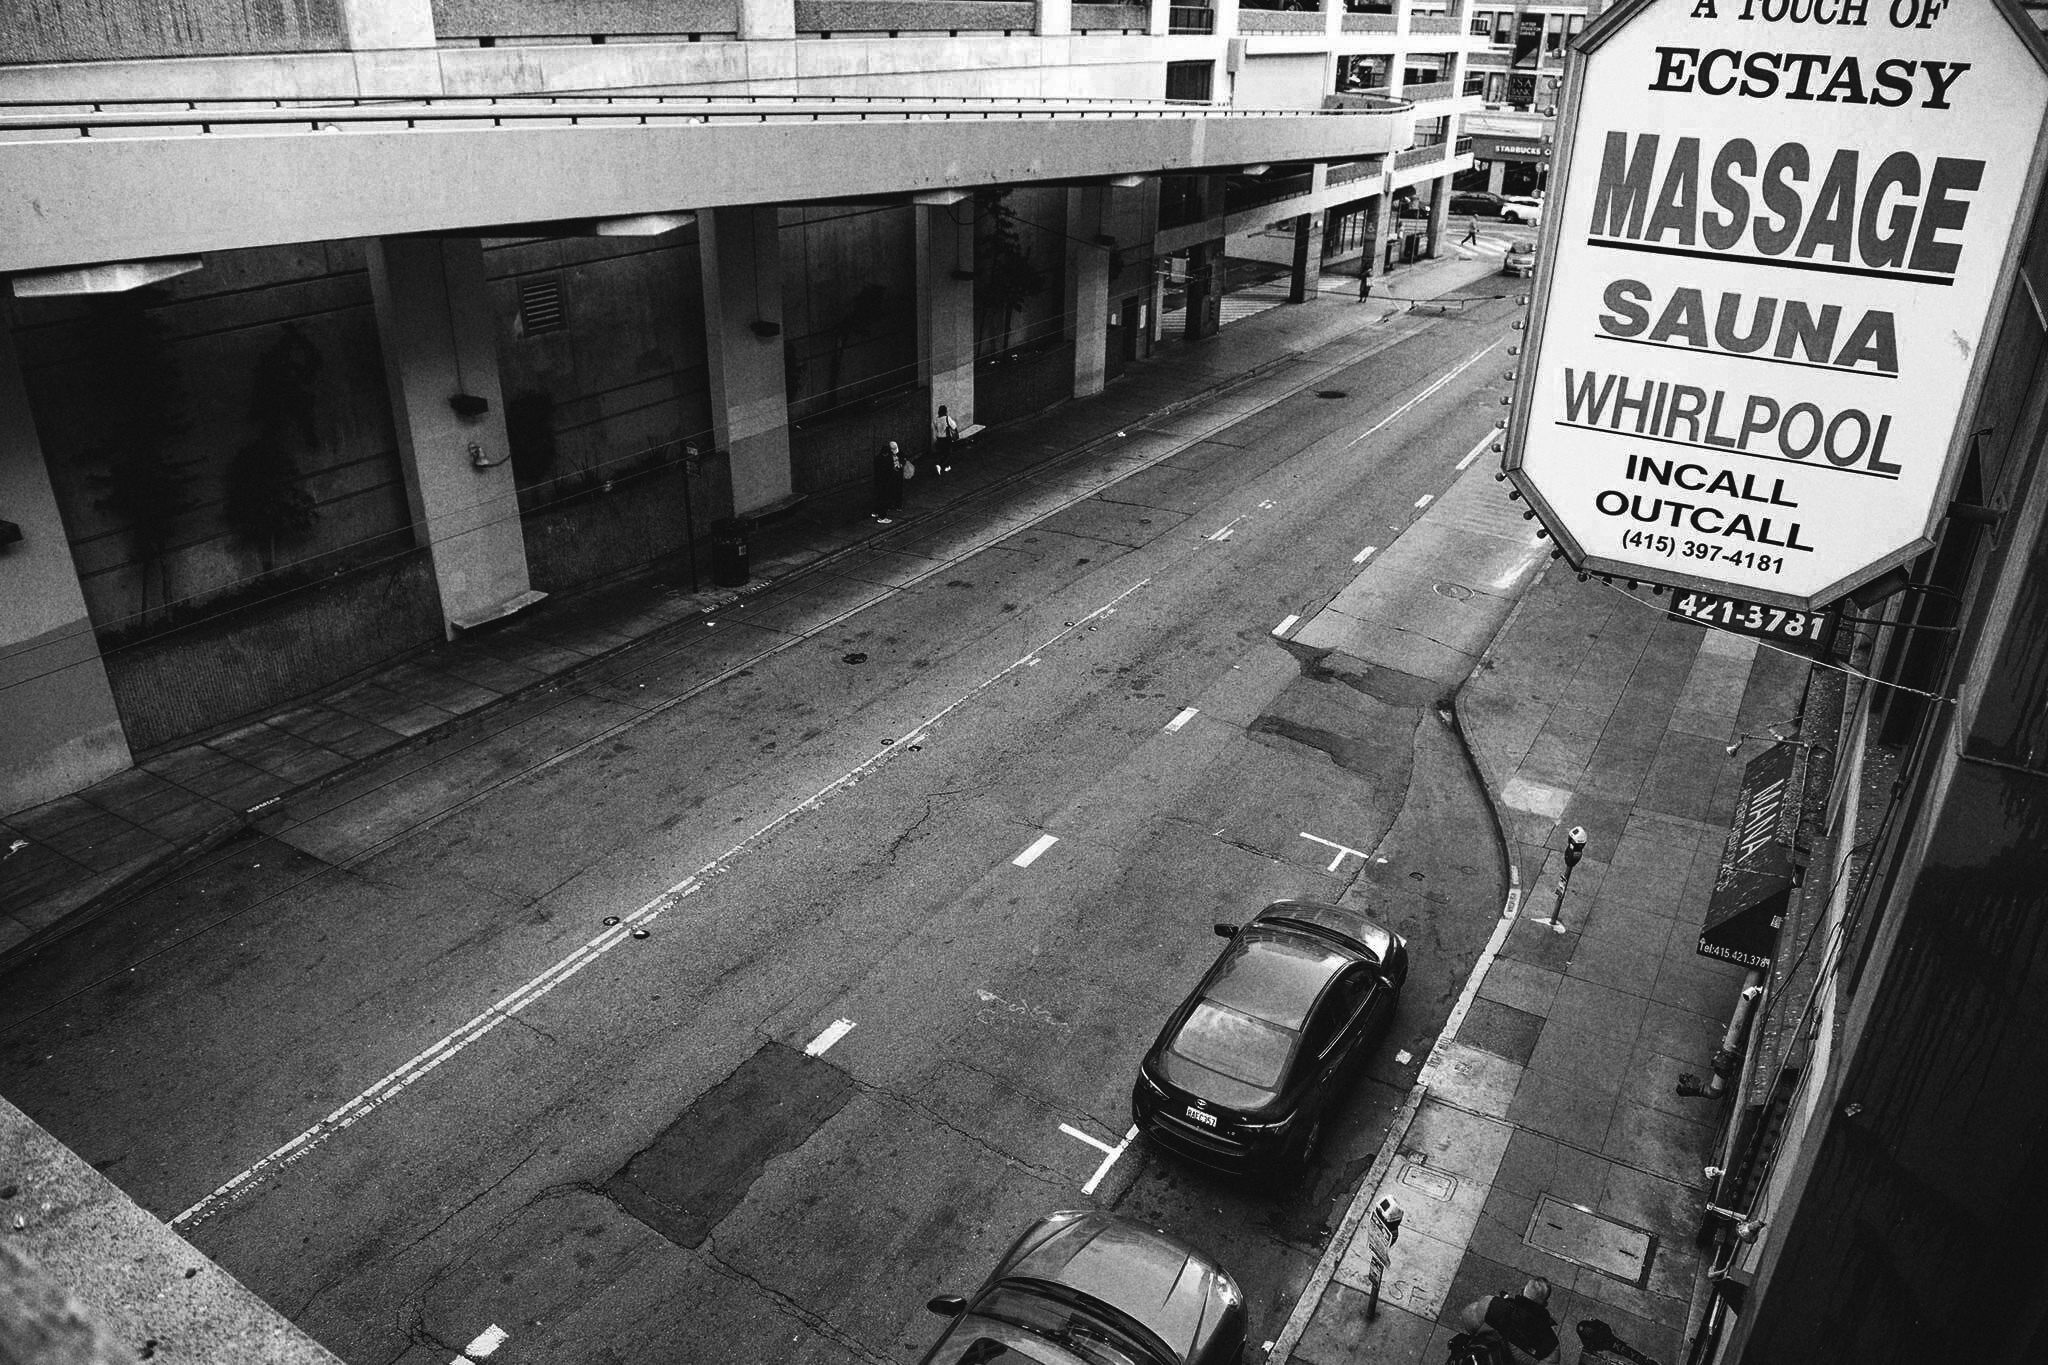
(1482, 22)
(1504, 28)
(1189, 80)
(1553, 35)
(540, 305)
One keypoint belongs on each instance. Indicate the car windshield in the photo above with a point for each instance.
(1089, 1331)
(1235, 1045)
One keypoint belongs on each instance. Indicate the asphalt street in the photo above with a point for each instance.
(923, 845)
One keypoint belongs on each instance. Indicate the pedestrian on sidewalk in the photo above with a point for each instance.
(889, 474)
(1471, 232)
(945, 442)
(1516, 1329)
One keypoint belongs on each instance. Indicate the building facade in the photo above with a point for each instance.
(305, 363)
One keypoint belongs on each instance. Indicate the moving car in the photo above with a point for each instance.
(1089, 1288)
(1521, 208)
(1519, 260)
(1477, 203)
(1247, 1068)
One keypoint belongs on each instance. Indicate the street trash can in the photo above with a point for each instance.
(729, 566)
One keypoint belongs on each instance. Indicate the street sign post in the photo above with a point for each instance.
(1775, 250)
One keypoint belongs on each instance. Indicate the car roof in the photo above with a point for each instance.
(1276, 973)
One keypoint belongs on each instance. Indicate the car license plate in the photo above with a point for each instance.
(1199, 1117)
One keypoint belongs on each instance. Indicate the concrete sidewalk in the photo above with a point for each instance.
(1545, 1135)
(64, 862)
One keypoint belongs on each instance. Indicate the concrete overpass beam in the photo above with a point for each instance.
(1087, 301)
(62, 731)
(374, 24)
(740, 253)
(945, 309)
(441, 364)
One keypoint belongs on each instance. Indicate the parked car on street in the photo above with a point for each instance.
(1519, 260)
(1521, 208)
(1248, 1067)
(1089, 1288)
(1476, 203)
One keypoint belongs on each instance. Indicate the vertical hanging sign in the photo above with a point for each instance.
(1778, 237)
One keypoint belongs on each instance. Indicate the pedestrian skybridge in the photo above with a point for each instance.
(84, 184)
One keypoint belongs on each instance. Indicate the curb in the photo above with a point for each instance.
(1339, 1245)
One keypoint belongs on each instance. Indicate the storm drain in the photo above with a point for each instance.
(1581, 1236)
(703, 1164)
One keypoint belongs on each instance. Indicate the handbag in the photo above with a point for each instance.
(909, 470)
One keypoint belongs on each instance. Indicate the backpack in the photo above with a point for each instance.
(1529, 1326)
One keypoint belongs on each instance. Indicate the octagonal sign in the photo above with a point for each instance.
(1780, 235)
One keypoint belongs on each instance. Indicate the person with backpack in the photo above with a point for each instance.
(945, 442)
(1512, 1329)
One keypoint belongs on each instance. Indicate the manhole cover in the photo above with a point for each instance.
(1438, 1185)
(1332, 393)
(1457, 592)
(1583, 1237)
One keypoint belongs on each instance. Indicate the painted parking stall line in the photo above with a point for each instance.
(1343, 850)
(625, 928)
(1038, 846)
(1425, 500)
(1473, 453)
(1109, 1154)
(1435, 386)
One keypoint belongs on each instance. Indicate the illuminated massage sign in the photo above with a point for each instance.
(1770, 266)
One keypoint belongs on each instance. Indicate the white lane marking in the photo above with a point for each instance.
(1183, 718)
(1473, 453)
(1269, 503)
(1442, 380)
(1109, 1161)
(1223, 533)
(831, 1034)
(1286, 625)
(1425, 500)
(388, 1088)
(487, 1341)
(1403, 1057)
(1038, 846)
(1367, 553)
(1343, 850)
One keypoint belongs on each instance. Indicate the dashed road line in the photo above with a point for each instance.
(623, 929)
(1038, 846)
(487, 1342)
(829, 1035)
(1286, 625)
(1187, 714)
(1367, 553)
(1473, 453)
(1467, 363)
(1425, 500)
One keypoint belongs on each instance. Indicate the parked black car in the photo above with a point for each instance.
(1089, 1288)
(1478, 203)
(1247, 1067)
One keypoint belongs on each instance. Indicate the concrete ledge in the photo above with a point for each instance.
(144, 1287)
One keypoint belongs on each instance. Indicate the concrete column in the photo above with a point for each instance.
(1087, 301)
(440, 342)
(1156, 320)
(1055, 18)
(373, 24)
(945, 308)
(1496, 175)
(1157, 17)
(1205, 291)
(1304, 281)
(1439, 211)
(1226, 17)
(739, 251)
(1370, 264)
(767, 19)
(62, 731)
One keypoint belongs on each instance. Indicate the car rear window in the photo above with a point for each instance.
(1235, 1045)
(1276, 979)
